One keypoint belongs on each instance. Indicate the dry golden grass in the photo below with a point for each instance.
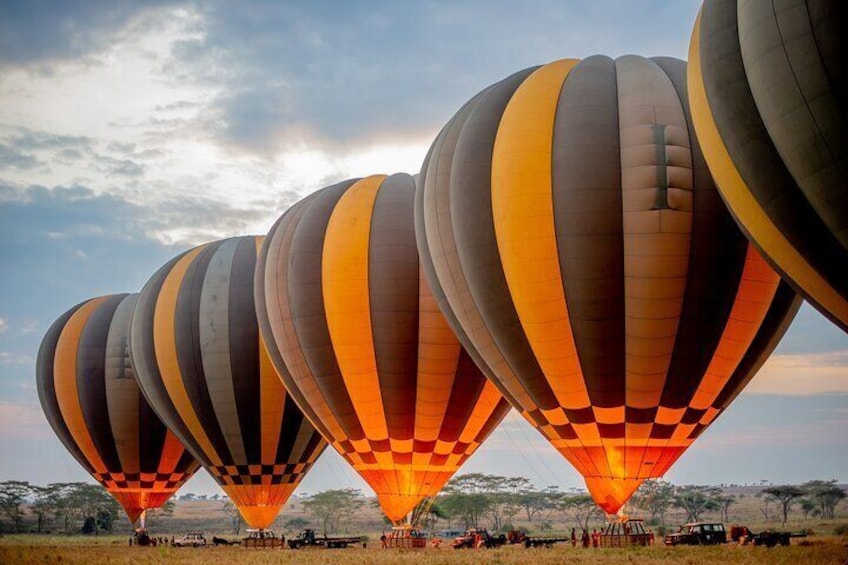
(825, 550)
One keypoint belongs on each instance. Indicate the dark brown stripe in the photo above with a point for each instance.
(471, 200)
(143, 359)
(273, 258)
(797, 104)
(91, 382)
(292, 421)
(187, 337)
(244, 347)
(749, 145)
(437, 166)
(151, 430)
(779, 316)
(586, 181)
(307, 306)
(716, 260)
(465, 394)
(393, 277)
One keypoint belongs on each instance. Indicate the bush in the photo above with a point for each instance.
(841, 530)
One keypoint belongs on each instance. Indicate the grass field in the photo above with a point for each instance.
(28, 549)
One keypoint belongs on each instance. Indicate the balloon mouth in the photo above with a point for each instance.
(611, 493)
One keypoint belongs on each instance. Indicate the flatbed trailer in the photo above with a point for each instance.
(767, 538)
(307, 538)
(544, 541)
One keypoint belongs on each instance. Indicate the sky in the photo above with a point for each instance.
(131, 131)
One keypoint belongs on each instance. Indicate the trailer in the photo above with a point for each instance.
(768, 538)
(308, 538)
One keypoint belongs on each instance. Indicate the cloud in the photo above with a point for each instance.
(22, 421)
(40, 31)
(13, 158)
(7, 358)
(4, 325)
(333, 74)
(803, 373)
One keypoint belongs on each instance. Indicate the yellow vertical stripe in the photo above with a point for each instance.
(739, 199)
(165, 344)
(272, 401)
(344, 280)
(523, 210)
(65, 382)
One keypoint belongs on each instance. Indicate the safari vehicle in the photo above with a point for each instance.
(191, 539)
(307, 538)
(477, 538)
(263, 539)
(698, 533)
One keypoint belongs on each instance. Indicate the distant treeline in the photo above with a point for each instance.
(467, 501)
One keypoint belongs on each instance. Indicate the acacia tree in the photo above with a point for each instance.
(330, 507)
(468, 507)
(784, 495)
(228, 508)
(63, 504)
(695, 500)
(765, 505)
(154, 515)
(725, 501)
(655, 496)
(538, 504)
(826, 494)
(582, 508)
(13, 494)
(808, 506)
(97, 507)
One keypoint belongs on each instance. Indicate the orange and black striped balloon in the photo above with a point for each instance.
(200, 360)
(90, 396)
(570, 228)
(768, 84)
(359, 340)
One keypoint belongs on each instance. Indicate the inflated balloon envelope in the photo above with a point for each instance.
(91, 399)
(572, 234)
(359, 341)
(204, 367)
(770, 106)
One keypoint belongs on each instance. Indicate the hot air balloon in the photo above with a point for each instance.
(91, 399)
(769, 95)
(569, 226)
(357, 337)
(201, 362)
